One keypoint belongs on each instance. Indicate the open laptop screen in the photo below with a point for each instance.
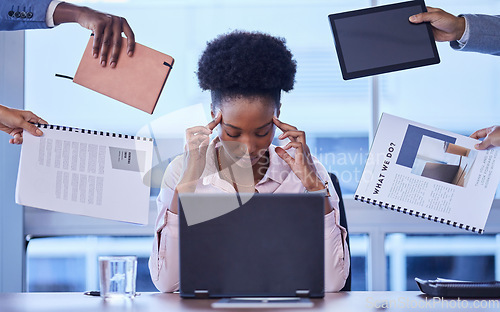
(273, 245)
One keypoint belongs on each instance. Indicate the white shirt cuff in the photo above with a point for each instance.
(49, 16)
(465, 37)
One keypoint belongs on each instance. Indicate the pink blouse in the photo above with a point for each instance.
(279, 178)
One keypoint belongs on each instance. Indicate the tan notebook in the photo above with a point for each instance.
(136, 81)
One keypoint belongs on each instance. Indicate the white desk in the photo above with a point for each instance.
(356, 301)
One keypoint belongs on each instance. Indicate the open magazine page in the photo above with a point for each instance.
(430, 173)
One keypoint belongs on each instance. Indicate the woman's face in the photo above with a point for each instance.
(247, 128)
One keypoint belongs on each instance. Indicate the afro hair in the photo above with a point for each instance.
(246, 63)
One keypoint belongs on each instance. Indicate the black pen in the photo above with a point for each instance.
(95, 293)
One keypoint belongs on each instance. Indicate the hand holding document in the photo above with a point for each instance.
(430, 173)
(86, 172)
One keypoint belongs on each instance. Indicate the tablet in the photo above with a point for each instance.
(381, 39)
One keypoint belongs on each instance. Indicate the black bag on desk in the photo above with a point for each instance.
(461, 289)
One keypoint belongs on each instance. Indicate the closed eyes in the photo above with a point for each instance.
(256, 134)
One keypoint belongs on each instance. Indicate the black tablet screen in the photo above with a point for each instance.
(382, 40)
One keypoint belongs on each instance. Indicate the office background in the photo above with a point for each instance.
(44, 251)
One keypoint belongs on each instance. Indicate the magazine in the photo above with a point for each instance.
(430, 173)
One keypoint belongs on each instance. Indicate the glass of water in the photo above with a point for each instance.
(117, 276)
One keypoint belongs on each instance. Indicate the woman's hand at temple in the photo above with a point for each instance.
(195, 154)
(302, 165)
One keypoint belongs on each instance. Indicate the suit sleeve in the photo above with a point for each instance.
(483, 34)
(23, 14)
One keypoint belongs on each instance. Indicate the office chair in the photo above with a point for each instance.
(343, 222)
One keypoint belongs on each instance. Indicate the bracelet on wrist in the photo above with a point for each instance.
(324, 191)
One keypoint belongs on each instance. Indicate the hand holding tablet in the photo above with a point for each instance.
(381, 39)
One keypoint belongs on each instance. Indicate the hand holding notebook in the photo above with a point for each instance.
(137, 80)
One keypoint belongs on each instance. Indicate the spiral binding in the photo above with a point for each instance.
(417, 214)
(94, 132)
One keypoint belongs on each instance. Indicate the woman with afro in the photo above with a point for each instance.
(245, 73)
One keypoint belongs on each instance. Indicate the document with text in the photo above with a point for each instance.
(430, 173)
(86, 172)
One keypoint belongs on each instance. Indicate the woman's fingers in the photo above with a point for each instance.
(204, 130)
(285, 156)
(196, 142)
(294, 136)
(198, 130)
(283, 126)
(198, 136)
(204, 146)
(297, 140)
(299, 151)
(198, 139)
(289, 132)
(211, 125)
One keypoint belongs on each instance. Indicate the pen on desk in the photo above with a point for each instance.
(96, 293)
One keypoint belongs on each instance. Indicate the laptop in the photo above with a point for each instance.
(270, 246)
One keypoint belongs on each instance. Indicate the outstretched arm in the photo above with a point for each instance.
(466, 32)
